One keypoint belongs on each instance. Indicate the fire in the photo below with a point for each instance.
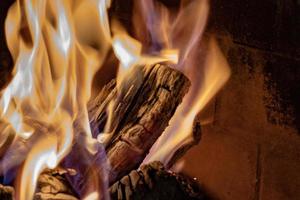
(53, 46)
(215, 74)
(58, 46)
(207, 73)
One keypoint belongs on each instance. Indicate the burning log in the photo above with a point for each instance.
(128, 115)
(140, 113)
(139, 116)
(53, 185)
(152, 181)
(6, 192)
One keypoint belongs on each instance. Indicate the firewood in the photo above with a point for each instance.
(6, 192)
(53, 185)
(143, 104)
(141, 112)
(152, 181)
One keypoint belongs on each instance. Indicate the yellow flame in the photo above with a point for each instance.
(183, 31)
(57, 47)
(129, 52)
(92, 196)
(215, 74)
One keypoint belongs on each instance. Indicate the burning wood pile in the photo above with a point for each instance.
(58, 141)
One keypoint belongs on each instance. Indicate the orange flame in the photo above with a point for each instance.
(59, 45)
(214, 74)
(207, 73)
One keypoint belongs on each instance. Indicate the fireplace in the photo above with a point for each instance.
(244, 143)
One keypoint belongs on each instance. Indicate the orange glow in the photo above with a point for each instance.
(59, 45)
(207, 72)
(215, 74)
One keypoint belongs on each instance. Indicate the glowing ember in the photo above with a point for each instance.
(59, 45)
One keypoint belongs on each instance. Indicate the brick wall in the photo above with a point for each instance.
(252, 150)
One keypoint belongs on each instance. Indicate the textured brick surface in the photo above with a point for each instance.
(272, 25)
(224, 164)
(280, 178)
(251, 151)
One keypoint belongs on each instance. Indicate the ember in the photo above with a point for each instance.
(49, 121)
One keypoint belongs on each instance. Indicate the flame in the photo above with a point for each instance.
(208, 73)
(129, 52)
(92, 196)
(57, 47)
(215, 74)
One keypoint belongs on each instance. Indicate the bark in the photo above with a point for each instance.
(6, 192)
(53, 185)
(152, 181)
(141, 111)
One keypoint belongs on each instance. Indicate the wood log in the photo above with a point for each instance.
(53, 185)
(152, 98)
(141, 111)
(152, 181)
(6, 192)
(141, 107)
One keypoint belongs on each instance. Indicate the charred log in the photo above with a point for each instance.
(6, 192)
(152, 181)
(53, 185)
(141, 112)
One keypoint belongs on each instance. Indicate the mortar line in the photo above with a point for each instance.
(257, 189)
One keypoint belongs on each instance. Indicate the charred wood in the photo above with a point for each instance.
(53, 185)
(6, 192)
(141, 111)
(152, 181)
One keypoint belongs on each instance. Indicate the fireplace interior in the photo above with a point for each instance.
(249, 147)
